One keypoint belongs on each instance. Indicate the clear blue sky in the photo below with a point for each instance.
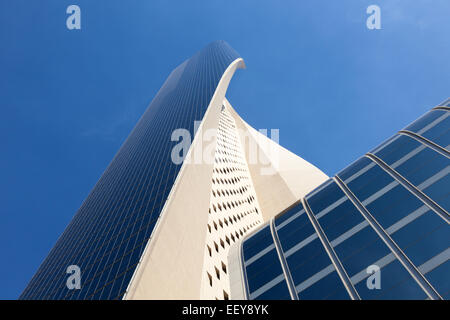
(69, 98)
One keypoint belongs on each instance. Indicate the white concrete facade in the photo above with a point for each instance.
(233, 210)
(214, 204)
(172, 262)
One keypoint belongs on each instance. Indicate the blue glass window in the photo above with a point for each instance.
(425, 168)
(435, 126)
(263, 269)
(419, 232)
(306, 258)
(258, 241)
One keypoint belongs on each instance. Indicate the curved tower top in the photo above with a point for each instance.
(190, 179)
(107, 235)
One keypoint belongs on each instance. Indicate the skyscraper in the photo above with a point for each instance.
(157, 225)
(109, 232)
(186, 208)
(377, 230)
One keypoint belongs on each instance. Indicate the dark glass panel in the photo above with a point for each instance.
(327, 288)
(257, 242)
(353, 169)
(440, 279)
(325, 197)
(395, 284)
(277, 292)
(288, 214)
(308, 261)
(418, 125)
(294, 232)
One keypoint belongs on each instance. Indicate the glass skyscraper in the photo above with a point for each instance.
(386, 216)
(107, 235)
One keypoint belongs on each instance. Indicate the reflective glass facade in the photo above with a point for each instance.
(388, 209)
(107, 235)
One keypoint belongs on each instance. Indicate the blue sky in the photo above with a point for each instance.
(69, 98)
